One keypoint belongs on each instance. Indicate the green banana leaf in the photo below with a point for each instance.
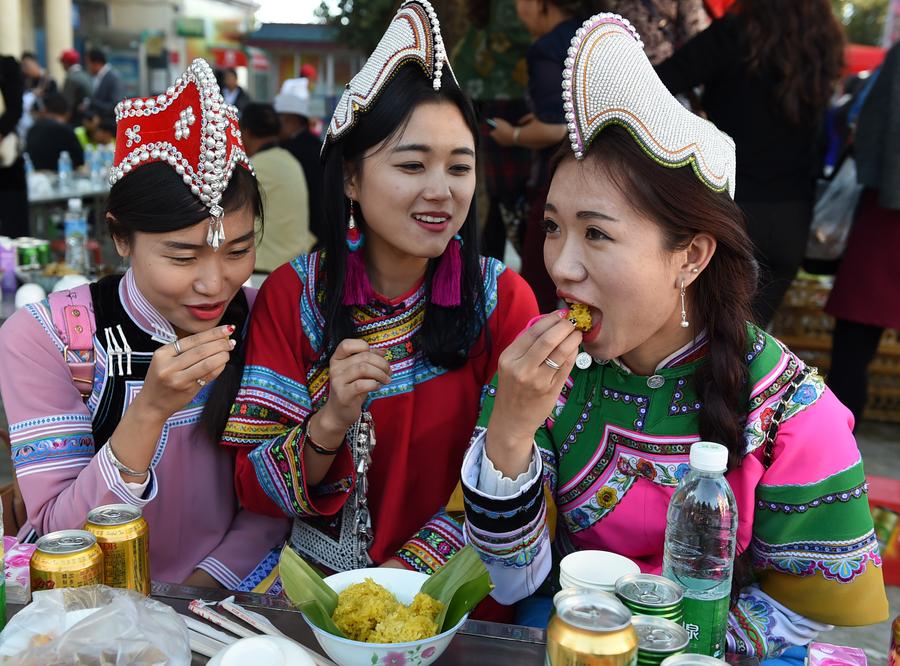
(459, 585)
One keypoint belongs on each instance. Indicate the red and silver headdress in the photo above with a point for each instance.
(609, 80)
(189, 127)
(414, 35)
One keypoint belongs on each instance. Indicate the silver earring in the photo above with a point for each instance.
(684, 321)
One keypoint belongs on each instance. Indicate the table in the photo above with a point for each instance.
(476, 644)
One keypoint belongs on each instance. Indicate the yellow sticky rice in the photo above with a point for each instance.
(369, 613)
(580, 315)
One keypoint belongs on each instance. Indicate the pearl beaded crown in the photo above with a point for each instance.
(608, 80)
(414, 35)
(189, 127)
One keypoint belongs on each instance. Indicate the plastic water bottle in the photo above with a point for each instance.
(76, 237)
(701, 531)
(29, 165)
(64, 169)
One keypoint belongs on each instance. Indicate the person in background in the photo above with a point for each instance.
(77, 86)
(232, 92)
(132, 413)
(283, 186)
(768, 69)
(292, 106)
(13, 187)
(107, 89)
(865, 299)
(37, 83)
(641, 227)
(552, 24)
(664, 25)
(51, 134)
(490, 63)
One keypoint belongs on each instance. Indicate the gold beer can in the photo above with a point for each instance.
(122, 533)
(590, 628)
(67, 558)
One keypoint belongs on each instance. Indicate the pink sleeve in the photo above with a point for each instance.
(244, 546)
(50, 429)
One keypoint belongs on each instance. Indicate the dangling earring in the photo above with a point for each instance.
(357, 290)
(445, 283)
(684, 321)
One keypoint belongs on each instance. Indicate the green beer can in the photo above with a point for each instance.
(43, 252)
(646, 594)
(28, 253)
(658, 639)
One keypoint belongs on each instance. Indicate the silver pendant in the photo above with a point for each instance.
(583, 361)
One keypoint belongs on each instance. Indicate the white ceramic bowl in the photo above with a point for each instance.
(404, 584)
(595, 569)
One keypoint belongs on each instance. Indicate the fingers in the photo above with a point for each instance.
(208, 368)
(534, 330)
(204, 350)
(349, 347)
(196, 340)
(567, 350)
(549, 340)
(364, 366)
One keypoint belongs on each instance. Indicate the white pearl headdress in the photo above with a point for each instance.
(609, 80)
(414, 34)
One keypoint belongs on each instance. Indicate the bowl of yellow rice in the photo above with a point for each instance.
(387, 621)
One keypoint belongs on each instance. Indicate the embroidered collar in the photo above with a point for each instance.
(693, 350)
(144, 315)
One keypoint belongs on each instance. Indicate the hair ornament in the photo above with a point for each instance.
(190, 128)
(608, 80)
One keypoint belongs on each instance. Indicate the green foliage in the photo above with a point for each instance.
(863, 19)
(361, 22)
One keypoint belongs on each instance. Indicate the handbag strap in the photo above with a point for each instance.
(780, 409)
(72, 312)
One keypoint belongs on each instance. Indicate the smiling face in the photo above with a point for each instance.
(182, 277)
(415, 189)
(602, 252)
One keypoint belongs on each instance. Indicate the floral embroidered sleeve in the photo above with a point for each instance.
(267, 420)
(813, 544)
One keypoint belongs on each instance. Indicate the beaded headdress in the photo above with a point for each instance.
(414, 35)
(609, 80)
(189, 127)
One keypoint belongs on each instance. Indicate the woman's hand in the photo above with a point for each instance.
(199, 578)
(173, 379)
(355, 370)
(528, 386)
(503, 133)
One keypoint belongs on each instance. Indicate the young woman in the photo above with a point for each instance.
(117, 392)
(398, 317)
(769, 70)
(641, 228)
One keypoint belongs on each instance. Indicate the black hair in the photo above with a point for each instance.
(107, 122)
(28, 55)
(448, 333)
(154, 199)
(53, 102)
(230, 70)
(96, 55)
(260, 120)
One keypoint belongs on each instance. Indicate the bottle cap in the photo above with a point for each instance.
(74, 203)
(709, 457)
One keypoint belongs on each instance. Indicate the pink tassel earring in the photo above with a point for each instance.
(357, 290)
(445, 284)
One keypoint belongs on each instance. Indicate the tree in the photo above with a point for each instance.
(863, 19)
(362, 22)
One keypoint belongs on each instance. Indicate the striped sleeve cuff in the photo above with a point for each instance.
(215, 568)
(119, 487)
(438, 540)
(505, 530)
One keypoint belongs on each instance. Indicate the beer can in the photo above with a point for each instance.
(894, 654)
(646, 594)
(658, 638)
(68, 558)
(122, 534)
(590, 628)
(691, 660)
(43, 252)
(28, 253)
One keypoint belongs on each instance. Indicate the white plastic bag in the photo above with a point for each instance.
(833, 214)
(95, 625)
